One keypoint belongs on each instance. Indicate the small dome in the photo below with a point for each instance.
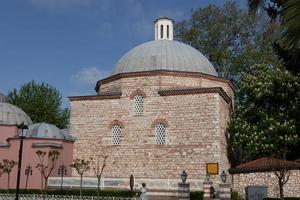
(49, 131)
(164, 55)
(12, 115)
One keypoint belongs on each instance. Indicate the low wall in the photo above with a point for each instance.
(123, 183)
(269, 179)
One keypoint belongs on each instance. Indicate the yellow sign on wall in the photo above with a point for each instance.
(212, 168)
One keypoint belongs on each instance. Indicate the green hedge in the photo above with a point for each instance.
(286, 198)
(234, 196)
(198, 195)
(76, 192)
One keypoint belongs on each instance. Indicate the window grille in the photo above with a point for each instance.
(138, 105)
(116, 132)
(160, 134)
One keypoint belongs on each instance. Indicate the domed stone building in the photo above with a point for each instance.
(162, 110)
(40, 136)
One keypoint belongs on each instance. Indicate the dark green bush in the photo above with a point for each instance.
(22, 191)
(286, 198)
(198, 195)
(75, 192)
(234, 196)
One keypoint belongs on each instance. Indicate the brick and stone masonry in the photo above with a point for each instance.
(291, 188)
(193, 107)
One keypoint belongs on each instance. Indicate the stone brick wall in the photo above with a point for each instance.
(195, 135)
(111, 87)
(168, 82)
(291, 188)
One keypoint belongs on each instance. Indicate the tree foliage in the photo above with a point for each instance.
(81, 166)
(41, 102)
(229, 38)
(267, 119)
(287, 12)
(6, 168)
(287, 44)
(47, 163)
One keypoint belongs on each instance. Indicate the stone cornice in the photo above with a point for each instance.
(218, 90)
(96, 97)
(40, 139)
(47, 144)
(162, 72)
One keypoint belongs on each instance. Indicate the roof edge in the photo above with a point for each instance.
(163, 17)
(255, 170)
(96, 97)
(188, 91)
(39, 138)
(161, 72)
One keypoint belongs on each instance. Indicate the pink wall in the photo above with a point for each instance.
(30, 157)
(7, 131)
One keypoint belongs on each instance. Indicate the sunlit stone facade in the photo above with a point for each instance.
(187, 107)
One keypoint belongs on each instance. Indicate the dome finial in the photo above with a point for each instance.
(163, 28)
(3, 98)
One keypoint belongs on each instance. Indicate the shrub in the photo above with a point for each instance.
(76, 192)
(234, 196)
(198, 195)
(286, 198)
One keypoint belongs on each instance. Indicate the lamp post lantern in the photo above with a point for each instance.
(183, 176)
(62, 171)
(28, 172)
(21, 127)
(223, 176)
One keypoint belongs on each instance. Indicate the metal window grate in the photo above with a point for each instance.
(160, 134)
(116, 134)
(138, 105)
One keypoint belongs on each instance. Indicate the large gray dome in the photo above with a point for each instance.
(12, 115)
(48, 131)
(164, 55)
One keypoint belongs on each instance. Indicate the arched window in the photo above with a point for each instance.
(116, 135)
(160, 133)
(138, 105)
(161, 31)
(168, 31)
(138, 97)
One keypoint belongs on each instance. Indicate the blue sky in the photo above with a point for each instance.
(70, 44)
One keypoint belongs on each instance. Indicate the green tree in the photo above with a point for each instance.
(288, 12)
(41, 102)
(266, 121)
(81, 166)
(229, 38)
(287, 44)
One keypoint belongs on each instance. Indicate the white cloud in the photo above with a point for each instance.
(88, 76)
(83, 82)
